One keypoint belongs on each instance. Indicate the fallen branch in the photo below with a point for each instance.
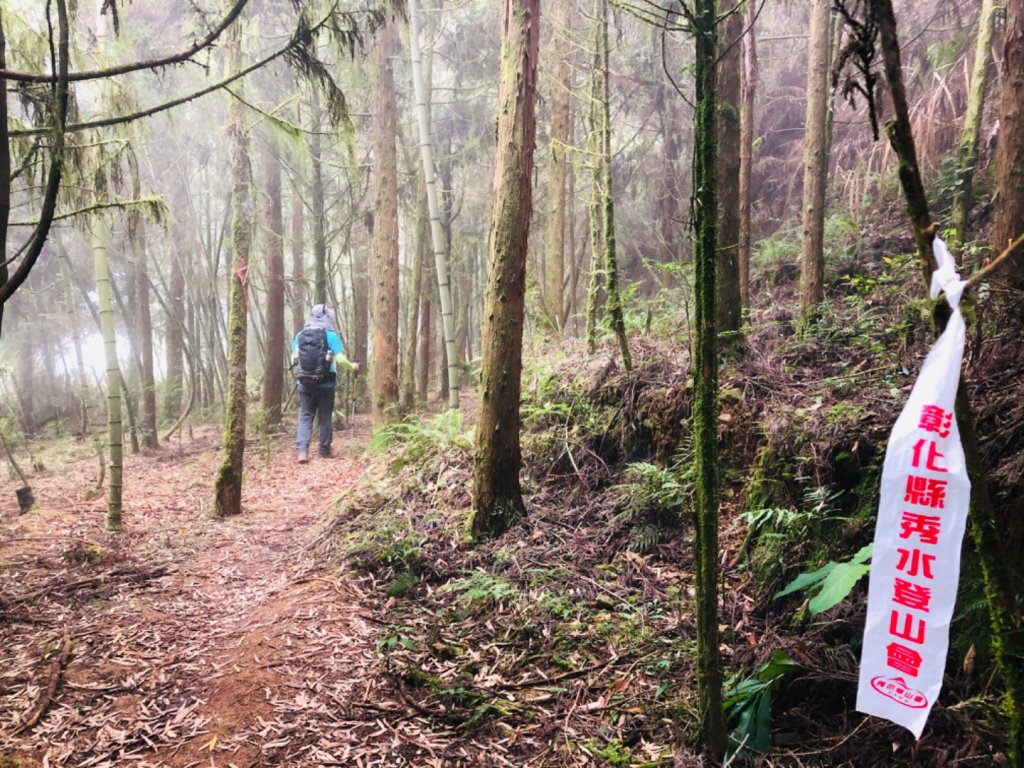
(137, 575)
(56, 671)
(995, 264)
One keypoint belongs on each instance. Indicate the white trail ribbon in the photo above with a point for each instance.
(922, 514)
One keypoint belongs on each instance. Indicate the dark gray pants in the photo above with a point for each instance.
(319, 402)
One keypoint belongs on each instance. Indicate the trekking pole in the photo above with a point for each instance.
(352, 410)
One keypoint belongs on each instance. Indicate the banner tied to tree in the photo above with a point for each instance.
(921, 519)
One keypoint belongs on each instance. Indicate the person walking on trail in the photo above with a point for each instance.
(317, 352)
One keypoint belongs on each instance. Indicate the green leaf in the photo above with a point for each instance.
(806, 580)
(837, 585)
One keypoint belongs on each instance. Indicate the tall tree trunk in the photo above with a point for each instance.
(426, 336)
(298, 254)
(384, 386)
(611, 262)
(963, 197)
(749, 91)
(115, 444)
(5, 162)
(361, 316)
(812, 255)
(1004, 612)
(1009, 215)
(137, 238)
(497, 496)
(420, 254)
(228, 483)
(76, 338)
(595, 211)
(705, 371)
(433, 205)
(273, 378)
(175, 335)
(318, 206)
(561, 87)
(727, 98)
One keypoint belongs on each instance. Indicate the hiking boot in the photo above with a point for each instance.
(303, 457)
(326, 453)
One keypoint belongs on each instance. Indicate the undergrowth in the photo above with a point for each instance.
(581, 618)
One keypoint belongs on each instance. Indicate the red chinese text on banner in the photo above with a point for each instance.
(921, 518)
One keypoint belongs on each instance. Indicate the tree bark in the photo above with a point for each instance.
(273, 377)
(812, 254)
(727, 99)
(497, 495)
(384, 386)
(228, 483)
(705, 371)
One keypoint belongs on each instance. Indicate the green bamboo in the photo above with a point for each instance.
(99, 235)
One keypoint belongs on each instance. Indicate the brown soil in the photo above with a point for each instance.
(192, 641)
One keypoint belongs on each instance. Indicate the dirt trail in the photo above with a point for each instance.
(193, 642)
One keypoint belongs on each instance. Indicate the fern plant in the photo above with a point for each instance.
(653, 499)
(420, 440)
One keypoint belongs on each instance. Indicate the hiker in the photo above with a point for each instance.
(317, 352)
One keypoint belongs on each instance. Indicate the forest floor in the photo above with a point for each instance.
(344, 619)
(185, 641)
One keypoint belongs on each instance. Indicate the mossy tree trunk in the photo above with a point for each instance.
(1007, 625)
(228, 483)
(705, 371)
(497, 496)
(115, 430)
(611, 262)
(727, 102)
(812, 251)
(963, 197)
(384, 394)
(273, 377)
